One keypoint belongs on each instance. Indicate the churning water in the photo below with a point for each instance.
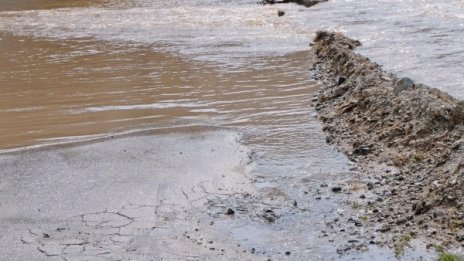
(94, 67)
(89, 68)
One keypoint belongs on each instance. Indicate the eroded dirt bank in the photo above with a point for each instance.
(407, 136)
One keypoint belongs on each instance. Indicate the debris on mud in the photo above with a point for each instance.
(306, 3)
(405, 135)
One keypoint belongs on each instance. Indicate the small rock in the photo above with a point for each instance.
(460, 237)
(230, 212)
(384, 228)
(340, 80)
(288, 253)
(362, 150)
(402, 85)
(336, 189)
(438, 213)
(370, 186)
(280, 13)
(270, 216)
(421, 208)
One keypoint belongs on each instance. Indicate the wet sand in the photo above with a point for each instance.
(127, 198)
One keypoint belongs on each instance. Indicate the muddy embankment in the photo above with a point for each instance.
(407, 136)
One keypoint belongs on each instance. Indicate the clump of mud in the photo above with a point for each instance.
(306, 3)
(384, 122)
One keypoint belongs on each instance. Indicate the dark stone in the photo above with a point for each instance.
(270, 216)
(280, 13)
(340, 80)
(288, 253)
(460, 237)
(336, 189)
(230, 212)
(403, 85)
(384, 229)
(422, 208)
(306, 3)
(370, 186)
(362, 150)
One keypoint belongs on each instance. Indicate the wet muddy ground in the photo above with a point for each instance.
(184, 196)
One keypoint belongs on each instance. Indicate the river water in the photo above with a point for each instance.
(94, 67)
(83, 69)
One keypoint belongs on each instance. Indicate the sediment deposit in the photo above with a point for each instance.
(406, 135)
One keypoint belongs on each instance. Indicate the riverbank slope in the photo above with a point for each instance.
(405, 134)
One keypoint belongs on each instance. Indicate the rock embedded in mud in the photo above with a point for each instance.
(362, 150)
(269, 215)
(230, 212)
(306, 3)
(403, 85)
(340, 80)
(370, 185)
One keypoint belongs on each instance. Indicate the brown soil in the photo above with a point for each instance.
(378, 120)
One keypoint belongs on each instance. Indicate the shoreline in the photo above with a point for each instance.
(96, 138)
(405, 135)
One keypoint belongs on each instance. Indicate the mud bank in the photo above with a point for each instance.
(405, 136)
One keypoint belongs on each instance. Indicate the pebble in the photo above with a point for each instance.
(402, 85)
(370, 186)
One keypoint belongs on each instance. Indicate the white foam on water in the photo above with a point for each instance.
(422, 39)
(207, 32)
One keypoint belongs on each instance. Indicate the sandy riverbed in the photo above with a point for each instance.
(136, 197)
